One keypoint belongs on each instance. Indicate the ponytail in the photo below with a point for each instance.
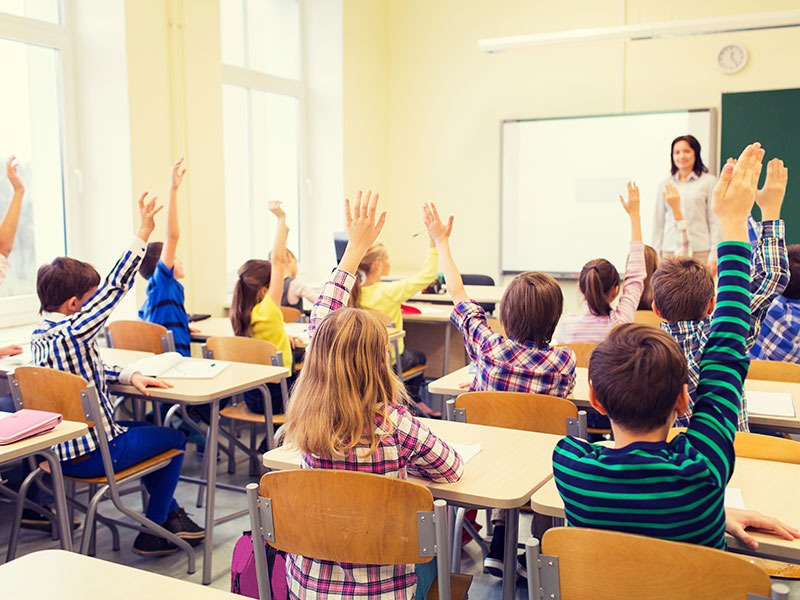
(254, 275)
(598, 278)
(375, 253)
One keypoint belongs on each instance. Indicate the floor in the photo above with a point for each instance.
(484, 586)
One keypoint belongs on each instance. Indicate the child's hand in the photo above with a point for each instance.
(438, 231)
(770, 197)
(737, 520)
(632, 206)
(275, 209)
(362, 228)
(177, 174)
(147, 210)
(673, 200)
(735, 191)
(13, 177)
(140, 382)
(10, 351)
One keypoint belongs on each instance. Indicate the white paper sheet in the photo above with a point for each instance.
(770, 404)
(171, 365)
(467, 451)
(734, 499)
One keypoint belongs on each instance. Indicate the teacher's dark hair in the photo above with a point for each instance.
(699, 168)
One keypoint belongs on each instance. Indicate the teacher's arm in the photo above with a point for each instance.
(658, 220)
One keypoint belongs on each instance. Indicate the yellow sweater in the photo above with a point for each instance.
(266, 323)
(386, 296)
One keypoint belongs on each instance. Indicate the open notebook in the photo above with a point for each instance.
(171, 365)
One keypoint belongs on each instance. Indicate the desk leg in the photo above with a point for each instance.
(510, 559)
(60, 497)
(211, 487)
(446, 352)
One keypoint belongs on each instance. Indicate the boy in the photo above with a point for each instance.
(164, 302)
(638, 377)
(74, 310)
(780, 333)
(295, 290)
(683, 288)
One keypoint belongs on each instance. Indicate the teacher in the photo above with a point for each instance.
(684, 201)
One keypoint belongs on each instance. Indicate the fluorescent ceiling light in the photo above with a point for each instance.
(647, 31)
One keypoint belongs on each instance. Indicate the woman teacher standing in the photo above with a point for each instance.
(689, 190)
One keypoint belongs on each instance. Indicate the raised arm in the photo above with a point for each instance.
(275, 290)
(8, 227)
(173, 227)
(635, 271)
(440, 234)
(673, 200)
(658, 223)
(632, 208)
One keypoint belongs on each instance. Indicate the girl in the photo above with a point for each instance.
(650, 265)
(255, 308)
(599, 284)
(348, 411)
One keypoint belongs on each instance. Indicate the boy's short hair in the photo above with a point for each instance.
(531, 307)
(793, 289)
(150, 260)
(682, 289)
(61, 280)
(637, 373)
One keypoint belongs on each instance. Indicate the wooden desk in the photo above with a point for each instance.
(485, 294)
(769, 487)
(41, 445)
(49, 574)
(512, 465)
(458, 382)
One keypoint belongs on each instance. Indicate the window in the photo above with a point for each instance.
(263, 118)
(32, 53)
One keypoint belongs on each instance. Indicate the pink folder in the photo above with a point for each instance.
(25, 423)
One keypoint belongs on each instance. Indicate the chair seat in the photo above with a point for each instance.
(459, 586)
(240, 412)
(121, 476)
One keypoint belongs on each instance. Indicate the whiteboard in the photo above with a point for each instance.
(562, 178)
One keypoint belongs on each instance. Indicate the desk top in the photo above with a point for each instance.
(493, 478)
(66, 430)
(770, 487)
(487, 294)
(431, 313)
(458, 382)
(71, 576)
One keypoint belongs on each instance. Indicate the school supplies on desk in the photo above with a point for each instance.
(770, 404)
(734, 498)
(26, 423)
(467, 451)
(171, 365)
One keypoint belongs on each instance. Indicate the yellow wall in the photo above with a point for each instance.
(414, 77)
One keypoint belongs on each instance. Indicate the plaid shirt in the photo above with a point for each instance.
(69, 343)
(406, 447)
(769, 273)
(780, 333)
(508, 366)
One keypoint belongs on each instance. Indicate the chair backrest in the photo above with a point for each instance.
(55, 391)
(774, 370)
(518, 410)
(291, 314)
(648, 317)
(582, 352)
(242, 349)
(475, 279)
(137, 335)
(755, 445)
(606, 565)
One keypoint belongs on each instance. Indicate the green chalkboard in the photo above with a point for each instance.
(772, 118)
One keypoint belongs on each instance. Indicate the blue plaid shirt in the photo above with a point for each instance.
(780, 333)
(69, 343)
(769, 273)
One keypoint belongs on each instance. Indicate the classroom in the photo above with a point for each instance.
(570, 234)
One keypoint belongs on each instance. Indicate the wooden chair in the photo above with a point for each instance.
(393, 522)
(76, 400)
(755, 445)
(774, 370)
(577, 563)
(139, 335)
(257, 352)
(647, 317)
(582, 352)
(291, 314)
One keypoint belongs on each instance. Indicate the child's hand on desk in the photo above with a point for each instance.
(770, 197)
(10, 351)
(141, 383)
(13, 177)
(438, 231)
(177, 174)
(148, 211)
(737, 520)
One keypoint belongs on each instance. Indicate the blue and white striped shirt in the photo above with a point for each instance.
(69, 343)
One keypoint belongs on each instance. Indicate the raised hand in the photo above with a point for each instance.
(275, 209)
(735, 191)
(13, 177)
(362, 227)
(632, 205)
(436, 229)
(177, 174)
(147, 211)
(673, 200)
(770, 197)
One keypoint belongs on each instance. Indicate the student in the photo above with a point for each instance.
(162, 270)
(780, 332)
(683, 288)
(599, 284)
(255, 309)
(295, 290)
(74, 310)
(522, 362)
(650, 265)
(638, 377)
(348, 411)
(8, 230)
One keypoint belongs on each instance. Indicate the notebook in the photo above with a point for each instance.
(770, 404)
(171, 365)
(26, 423)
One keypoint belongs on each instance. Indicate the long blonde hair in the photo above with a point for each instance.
(346, 386)
(375, 253)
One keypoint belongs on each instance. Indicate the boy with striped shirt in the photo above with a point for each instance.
(638, 377)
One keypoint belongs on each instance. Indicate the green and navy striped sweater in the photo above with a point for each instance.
(673, 490)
